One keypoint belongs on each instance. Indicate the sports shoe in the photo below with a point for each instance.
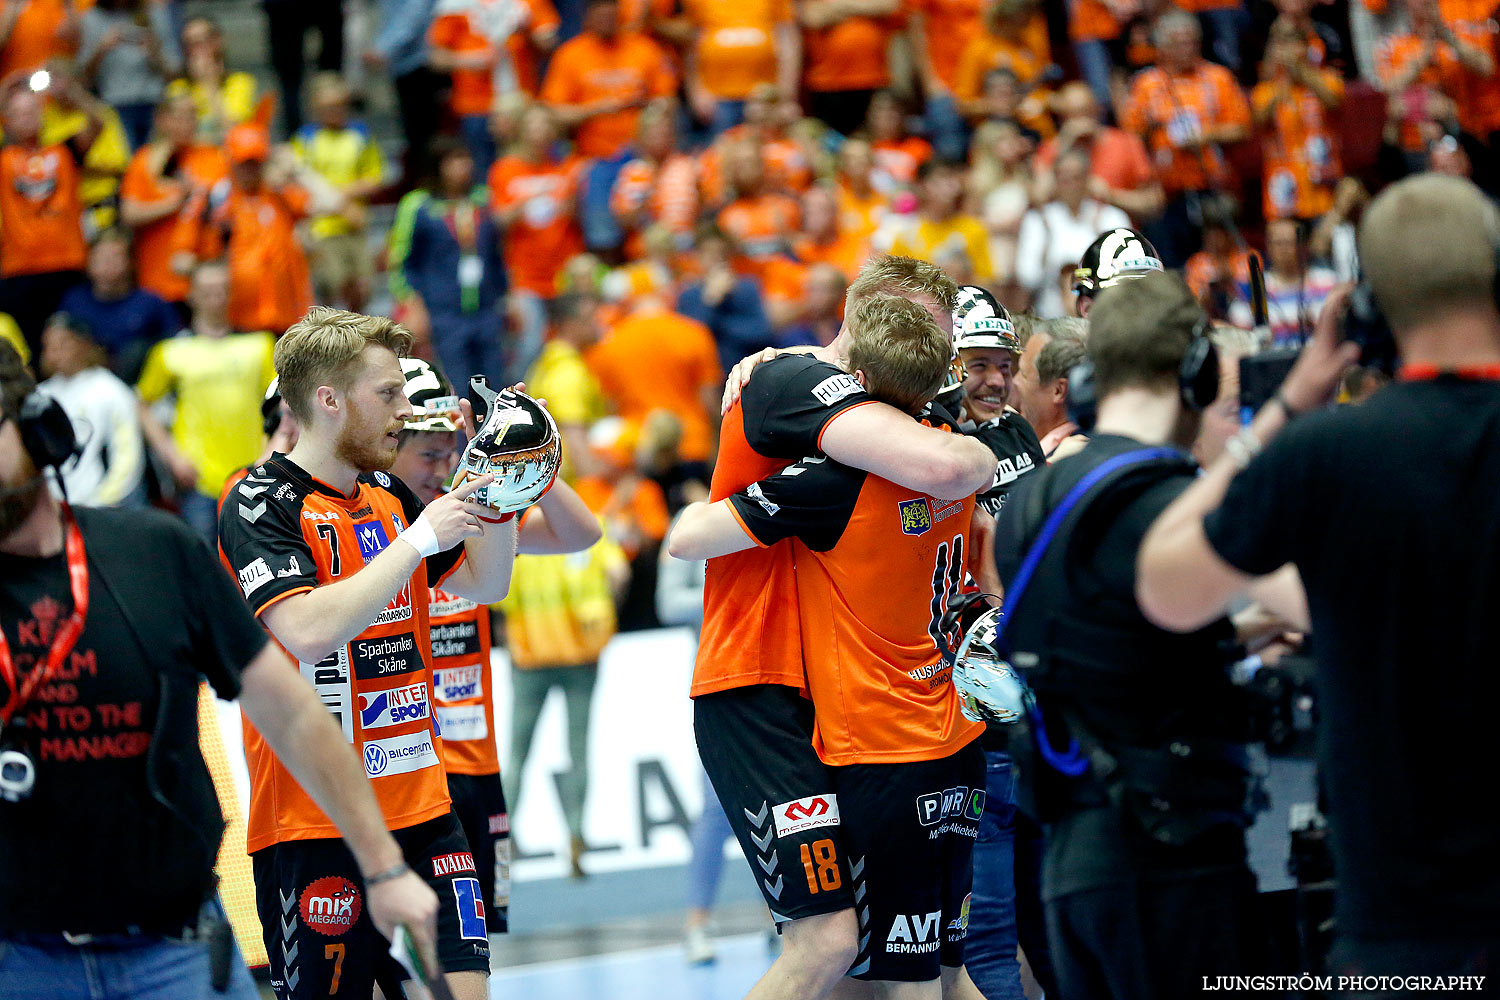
(700, 950)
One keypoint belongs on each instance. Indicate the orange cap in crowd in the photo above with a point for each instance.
(247, 142)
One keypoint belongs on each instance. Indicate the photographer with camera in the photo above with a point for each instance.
(1404, 618)
(1136, 758)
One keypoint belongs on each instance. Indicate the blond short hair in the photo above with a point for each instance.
(1139, 332)
(1428, 246)
(328, 86)
(903, 276)
(324, 347)
(900, 348)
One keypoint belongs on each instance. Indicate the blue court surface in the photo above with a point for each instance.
(657, 973)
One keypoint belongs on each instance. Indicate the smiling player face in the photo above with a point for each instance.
(989, 375)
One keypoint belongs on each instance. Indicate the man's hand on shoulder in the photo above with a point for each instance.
(734, 384)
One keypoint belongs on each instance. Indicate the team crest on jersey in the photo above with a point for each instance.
(916, 517)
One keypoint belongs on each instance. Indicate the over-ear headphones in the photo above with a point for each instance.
(46, 432)
(1197, 380)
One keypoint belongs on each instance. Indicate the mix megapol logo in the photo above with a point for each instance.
(330, 905)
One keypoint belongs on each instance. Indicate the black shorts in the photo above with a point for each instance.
(318, 932)
(479, 804)
(910, 831)
(756, 745)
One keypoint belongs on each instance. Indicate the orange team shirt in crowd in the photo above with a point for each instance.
(850, 55)
(282, 533)
(859, 217)
(882, 690)
(525, 58)
(948, 25)
(1165, 110)
(269, 284)
(545, 233)
(848, 253)
(667, 192)
(35, 38)
(1091, 21)
(1116, 157)
(986, 53)
(1203, 269)
(462, 698)
(736, 48)
(1300, 149)
(683, 370)
(197, 167)
(762, 226)
(751, 632)
(899, 161)
(473, 90)
(588, 68)
(1478, 98)
(782, 279)
(41, 226)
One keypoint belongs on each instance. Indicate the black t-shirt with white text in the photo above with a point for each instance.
(121, 830)
(1014, 444)
(1391, 512)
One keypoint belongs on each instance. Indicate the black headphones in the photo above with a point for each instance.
(1197, 380)
(46, 431)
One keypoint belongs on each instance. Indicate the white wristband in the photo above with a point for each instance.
(421, 537)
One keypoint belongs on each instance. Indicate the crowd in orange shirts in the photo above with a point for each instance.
(681, 182)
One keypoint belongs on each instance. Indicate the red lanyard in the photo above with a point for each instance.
(67, 635)
(1426, 373)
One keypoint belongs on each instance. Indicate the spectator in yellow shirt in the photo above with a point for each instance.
(941, 224)
(339, 156)
(218, 379)
(563, 378)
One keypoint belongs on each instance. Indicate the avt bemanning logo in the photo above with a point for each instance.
(330, 905)
(390, 708)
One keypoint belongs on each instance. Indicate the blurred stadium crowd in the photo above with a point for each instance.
(615, 200)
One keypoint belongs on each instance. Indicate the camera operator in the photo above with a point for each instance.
(1144, 877)
(1403, 619)
(109, 825)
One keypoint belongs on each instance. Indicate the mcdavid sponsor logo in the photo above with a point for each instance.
(806, 814)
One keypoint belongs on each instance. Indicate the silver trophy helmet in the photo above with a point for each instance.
(517, 442)
(989, 689)
(434, 407)
(979, 320)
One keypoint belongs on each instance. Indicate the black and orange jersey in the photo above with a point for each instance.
(1013, 442)
(876, 564)
(283, 532)
(750, 626)
(461, 692)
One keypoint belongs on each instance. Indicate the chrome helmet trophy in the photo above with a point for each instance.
(1117, 255)
(979, 320)
(976, 314)
(517, 442)
(434, 407)
(989, 688)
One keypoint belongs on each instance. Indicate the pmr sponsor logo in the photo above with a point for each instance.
(452, 864)
(956, 809)
(459, 683)
(914, 933)
(806, 814)
(379, 709)
(399, 754)
(385, 656)
(330, 905)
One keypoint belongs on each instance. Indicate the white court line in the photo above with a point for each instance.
(733, 941)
